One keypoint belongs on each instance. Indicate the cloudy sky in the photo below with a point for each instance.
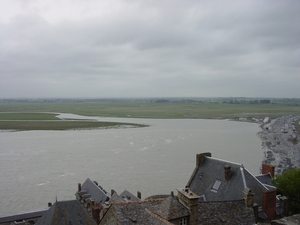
(149, 48)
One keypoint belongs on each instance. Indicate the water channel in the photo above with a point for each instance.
(37, 167)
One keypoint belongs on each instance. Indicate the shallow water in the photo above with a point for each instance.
(36, 167)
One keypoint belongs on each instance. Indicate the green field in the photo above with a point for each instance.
(60, 125)
(32, 114)
(153, 110)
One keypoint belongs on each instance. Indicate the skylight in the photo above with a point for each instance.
(216, 186)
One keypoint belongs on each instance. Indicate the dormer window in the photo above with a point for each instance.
(216, 186)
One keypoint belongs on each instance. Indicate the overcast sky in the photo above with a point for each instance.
(149, 48)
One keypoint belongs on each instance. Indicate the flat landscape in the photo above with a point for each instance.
(41, 114)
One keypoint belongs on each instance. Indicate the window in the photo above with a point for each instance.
(183, 221)
(216, 186)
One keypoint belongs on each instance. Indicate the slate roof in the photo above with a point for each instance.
(129, 196)
(135, 212)
(23, 216)
(229, 212)
(116, 198)
(203, 181)
(66, 212)
(170, 208)
(91, 189)
(163, 211)
(266, 179)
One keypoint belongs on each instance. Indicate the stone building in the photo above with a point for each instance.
(219, 180)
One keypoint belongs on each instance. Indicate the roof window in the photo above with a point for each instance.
(216, 186)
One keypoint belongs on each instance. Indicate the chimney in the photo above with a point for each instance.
(96, 212)
(190, 200)
(249, 198)
(200, 158)
(269, 203)
(112, 191)
(139, 195)
(79, 187)
(268, 168)
(255, 210)
(199, 161)
(227, 170)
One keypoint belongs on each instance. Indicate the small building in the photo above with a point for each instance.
(219, 180)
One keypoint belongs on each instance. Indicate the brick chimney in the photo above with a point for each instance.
(269, 203)
(268, 168)
(79, 187)
(190, 200)
(95, 212)
(227, 170)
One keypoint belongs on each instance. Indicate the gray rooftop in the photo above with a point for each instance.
(170, 208)
(66, 212)
(266, 179)
(129, 196)
(229, 212)
(22, 216)
(208, 181)
(135, 212)
(91, 189)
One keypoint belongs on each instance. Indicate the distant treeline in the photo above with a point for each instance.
(263, 101)
(294, 101)
(226, 100)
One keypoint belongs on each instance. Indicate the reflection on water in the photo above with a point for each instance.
(36, 167)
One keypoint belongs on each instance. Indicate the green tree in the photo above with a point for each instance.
(288, 184)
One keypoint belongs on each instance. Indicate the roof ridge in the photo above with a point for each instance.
(138, 202)
(236, 200)
(226, 161)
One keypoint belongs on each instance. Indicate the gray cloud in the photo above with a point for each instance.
(149, 48)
